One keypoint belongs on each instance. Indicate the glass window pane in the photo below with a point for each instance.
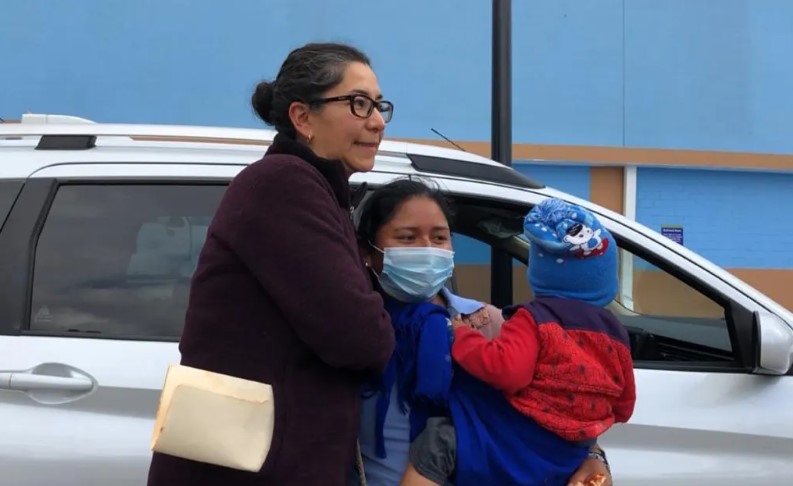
(8, 194)
(653, 301)
(116, 260)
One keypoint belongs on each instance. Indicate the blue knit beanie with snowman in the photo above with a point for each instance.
(572, 255)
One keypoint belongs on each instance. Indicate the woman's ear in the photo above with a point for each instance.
(363, 250)
(298, 115)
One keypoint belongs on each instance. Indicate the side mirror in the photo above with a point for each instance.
(774, 344)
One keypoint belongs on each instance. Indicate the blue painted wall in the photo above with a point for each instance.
(468, 251)
(573, 179)
(677, 73)
(709, 75)
(735, 219)
(693, 74)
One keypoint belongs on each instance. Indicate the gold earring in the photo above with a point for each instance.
(308, 139)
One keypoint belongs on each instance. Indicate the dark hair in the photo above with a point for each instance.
(306, 74)
(384, 202)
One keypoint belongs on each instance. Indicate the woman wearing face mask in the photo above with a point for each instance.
(280, 295)
(405, 236)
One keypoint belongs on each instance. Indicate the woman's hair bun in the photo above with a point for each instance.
(262, 101)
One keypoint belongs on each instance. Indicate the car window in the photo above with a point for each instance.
(8, 194)
(116, 260)
(472, 271)
(669, 320)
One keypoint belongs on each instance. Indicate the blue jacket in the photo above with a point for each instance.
(496, 444)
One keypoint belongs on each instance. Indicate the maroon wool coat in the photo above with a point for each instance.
(280, 296)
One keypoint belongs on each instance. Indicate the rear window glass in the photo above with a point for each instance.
(8, 194)
(116, 260)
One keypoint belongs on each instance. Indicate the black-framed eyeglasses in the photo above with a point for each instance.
(361, 105)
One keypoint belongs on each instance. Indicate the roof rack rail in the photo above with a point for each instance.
(146, 132)
(46, 119)
(482, 172)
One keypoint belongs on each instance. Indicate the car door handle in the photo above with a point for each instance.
(29, 382)
(50, 383)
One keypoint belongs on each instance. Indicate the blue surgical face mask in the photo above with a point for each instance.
(415, 274)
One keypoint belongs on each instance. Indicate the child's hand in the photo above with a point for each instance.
(593, 480)
(458, 321)
(478, 319)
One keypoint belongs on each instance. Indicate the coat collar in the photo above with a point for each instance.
(332, 170)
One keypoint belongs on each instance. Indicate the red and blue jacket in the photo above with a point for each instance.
(564, 363)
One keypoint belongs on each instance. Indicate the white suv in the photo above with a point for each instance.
(100, 230)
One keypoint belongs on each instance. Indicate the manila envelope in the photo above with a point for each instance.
(213, 418)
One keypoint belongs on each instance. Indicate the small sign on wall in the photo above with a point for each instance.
(674, 233)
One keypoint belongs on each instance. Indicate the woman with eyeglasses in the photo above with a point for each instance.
(280, 294)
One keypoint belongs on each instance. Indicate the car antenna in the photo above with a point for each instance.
(444, 137)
